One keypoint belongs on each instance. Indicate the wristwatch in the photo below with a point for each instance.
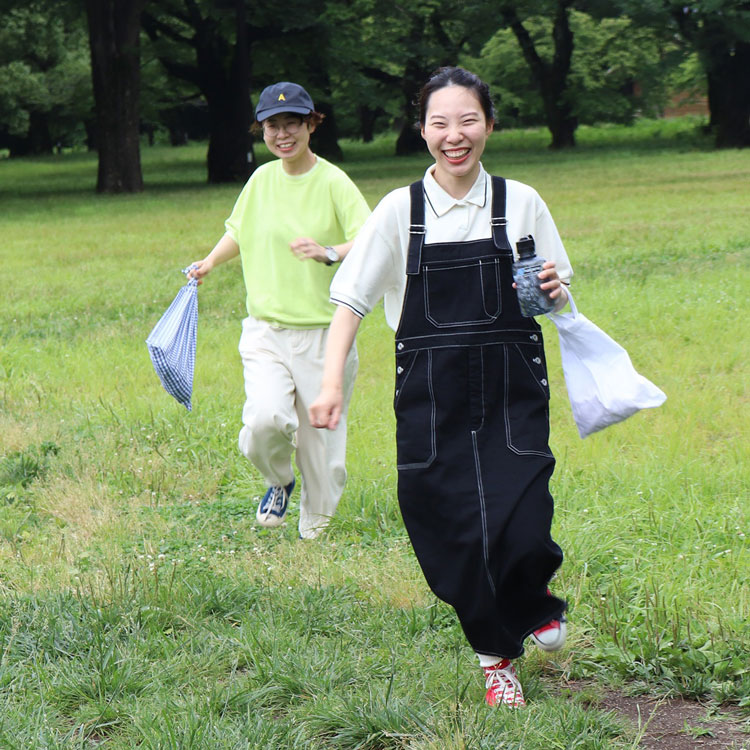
(331, 255)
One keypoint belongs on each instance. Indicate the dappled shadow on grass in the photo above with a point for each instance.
(15, 201)
(677, 134)
(167, 169)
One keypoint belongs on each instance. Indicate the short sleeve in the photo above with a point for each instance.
(351, 207)
(233, 223)
(375, 263)
(548, 238)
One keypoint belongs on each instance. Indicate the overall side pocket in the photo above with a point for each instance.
(414, 404)
(526, 400)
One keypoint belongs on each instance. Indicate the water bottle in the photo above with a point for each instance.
(532, 299)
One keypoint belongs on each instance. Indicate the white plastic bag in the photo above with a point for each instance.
(603, 386)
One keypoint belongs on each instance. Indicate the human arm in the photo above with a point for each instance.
(225, 249)
(306, 248)
(556, 270)
(350, 210)
(325, 411)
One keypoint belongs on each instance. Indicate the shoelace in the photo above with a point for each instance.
(501, 679)
(276, 501)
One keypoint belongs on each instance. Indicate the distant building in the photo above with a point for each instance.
(686, 103)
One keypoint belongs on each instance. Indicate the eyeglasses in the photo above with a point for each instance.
(291, 126)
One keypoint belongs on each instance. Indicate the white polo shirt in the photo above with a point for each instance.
(375, 267)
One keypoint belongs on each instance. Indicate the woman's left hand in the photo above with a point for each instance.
(552, 286)
(306, 248)
(551, 283)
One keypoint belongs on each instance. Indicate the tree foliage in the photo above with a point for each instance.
(298, 45)
(718, 31)
(550, 75)
(204, 43)
(220, 48)
(388, 52)
(559, 62)
(45, 81)
(114, 38)
(618, 69)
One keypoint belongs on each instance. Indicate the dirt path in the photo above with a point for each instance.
(678, 724)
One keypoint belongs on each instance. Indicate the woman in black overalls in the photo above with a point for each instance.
(471, 404)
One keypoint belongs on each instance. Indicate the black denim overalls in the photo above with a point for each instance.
(471, 406)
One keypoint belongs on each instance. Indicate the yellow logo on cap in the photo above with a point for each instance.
(281, 98)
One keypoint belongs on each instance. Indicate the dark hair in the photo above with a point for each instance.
(314, 119)
(452, 76)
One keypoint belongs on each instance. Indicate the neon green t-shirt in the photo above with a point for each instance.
(275, 208)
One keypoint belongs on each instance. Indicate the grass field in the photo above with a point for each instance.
(142, 608)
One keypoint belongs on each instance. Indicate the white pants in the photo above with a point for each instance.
(283, 370)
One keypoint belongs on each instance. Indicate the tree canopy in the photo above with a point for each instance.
(103, 73)
(45, 79)
(718, 32)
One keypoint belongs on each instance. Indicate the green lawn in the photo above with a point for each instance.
(141, 607)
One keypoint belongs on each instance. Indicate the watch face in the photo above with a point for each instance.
(331, 254)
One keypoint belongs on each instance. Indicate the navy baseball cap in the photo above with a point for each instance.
(283, 97)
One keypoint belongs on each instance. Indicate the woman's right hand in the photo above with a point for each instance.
(325, 411)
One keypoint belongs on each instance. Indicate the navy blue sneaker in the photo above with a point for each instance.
(273, 506)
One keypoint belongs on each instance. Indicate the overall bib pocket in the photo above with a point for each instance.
(462, 292)
(526, 400)
(415, 412)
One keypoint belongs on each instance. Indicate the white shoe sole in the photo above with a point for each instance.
(555, 645)
(269, 521)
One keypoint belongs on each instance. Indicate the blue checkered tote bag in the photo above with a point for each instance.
(171, 344)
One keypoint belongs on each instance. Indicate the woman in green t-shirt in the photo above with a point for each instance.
(295, 218)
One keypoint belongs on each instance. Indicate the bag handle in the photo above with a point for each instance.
(186, 271)
(571, 302)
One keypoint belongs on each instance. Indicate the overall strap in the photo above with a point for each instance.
(416, 228)
(499, 220)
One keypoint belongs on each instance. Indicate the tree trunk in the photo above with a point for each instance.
(367, 118)
(230, 149)
(562, 126)
(114, 30)
(36, 141)
(230, 155)
(227, 93)
(561, 121)
(325, 140)
(729, 94)
(40, 140)
(89, 125)
(410, 140)
(551, 78)
(17, 146)
(725, 57)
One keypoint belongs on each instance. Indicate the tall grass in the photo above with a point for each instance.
(142, 607)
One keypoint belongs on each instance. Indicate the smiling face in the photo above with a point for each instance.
(287, 136)
(456, 130)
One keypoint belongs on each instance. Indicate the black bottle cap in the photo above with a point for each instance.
(526, 247)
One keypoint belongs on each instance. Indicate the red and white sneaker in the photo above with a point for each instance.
(503, 685)
(551, 637)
